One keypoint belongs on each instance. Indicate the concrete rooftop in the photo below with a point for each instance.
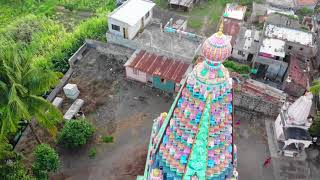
(171, 43)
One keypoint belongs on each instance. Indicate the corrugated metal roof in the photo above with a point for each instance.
(167, 68)
(297, 71)
(132, 11)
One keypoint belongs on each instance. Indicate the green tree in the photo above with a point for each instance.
(314, 129)
(75, 133)
(46, 160)
(11, 167)
(21, 87)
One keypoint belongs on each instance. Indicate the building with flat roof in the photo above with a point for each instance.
(246, 44)
(130, 18)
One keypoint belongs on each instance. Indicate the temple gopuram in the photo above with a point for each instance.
(194, 140)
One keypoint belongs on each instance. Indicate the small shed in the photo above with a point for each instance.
(159, 71)
(185, 5)
(130, 18)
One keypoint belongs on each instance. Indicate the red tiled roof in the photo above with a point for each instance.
(296, 72)
(306, 2)
(231, 27)
(164, 67)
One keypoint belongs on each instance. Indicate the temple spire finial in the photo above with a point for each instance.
(220, 32)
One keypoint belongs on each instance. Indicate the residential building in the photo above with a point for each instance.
(159, 71)
(246, 44)
(233, 18)
(130, 18)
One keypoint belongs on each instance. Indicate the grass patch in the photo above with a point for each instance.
(107, 139)
(92, 153)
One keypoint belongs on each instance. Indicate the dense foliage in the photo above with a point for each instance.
(46, 160)
(236, 67)
(11, 167)
(75, 133)
(314, 130)
(21, 87)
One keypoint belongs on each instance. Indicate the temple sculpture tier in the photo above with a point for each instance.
(194, 139)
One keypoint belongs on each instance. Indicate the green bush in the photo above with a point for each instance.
(75, 133)
(314, 129)
(14, 169)
(92, 153)
(46, 160)
(107, 139)
(236, 67)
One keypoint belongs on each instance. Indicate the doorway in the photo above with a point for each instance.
(250, 57)
(125, 33)
(142, 24)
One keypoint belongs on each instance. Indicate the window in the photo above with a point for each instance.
(301, 49)
(148, 14)
(115, 27)
(240, 52)
(290, 47)
(136, 71)
(163, 80)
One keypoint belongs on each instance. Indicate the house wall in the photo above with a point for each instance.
(293, 89)
(132, 30)
(118, 23)
(306, 51)
(140, 76)
(243, 57)
(165, 86)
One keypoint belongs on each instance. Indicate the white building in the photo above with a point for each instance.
(292, 124)
(129, 18)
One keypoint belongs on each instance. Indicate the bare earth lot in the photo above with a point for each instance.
(116, 107)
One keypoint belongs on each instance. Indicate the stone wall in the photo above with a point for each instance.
(252, 104)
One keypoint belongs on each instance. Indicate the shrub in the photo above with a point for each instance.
(236, 67)
(14, 169)
(46, 160)
(92, 153)
(107, 139)
(314, 129)
(75, 133)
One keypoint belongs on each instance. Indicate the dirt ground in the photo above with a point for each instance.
(116, 107)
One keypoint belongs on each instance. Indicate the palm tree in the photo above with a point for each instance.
(21, 87)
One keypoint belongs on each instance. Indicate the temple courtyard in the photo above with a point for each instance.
(126, 109)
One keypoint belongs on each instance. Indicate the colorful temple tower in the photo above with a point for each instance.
(194, 140)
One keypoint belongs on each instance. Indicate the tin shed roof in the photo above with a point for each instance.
(167, 68)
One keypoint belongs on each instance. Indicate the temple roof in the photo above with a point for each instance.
(217, 47)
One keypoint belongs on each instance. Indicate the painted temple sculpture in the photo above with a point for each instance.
(194, 139)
